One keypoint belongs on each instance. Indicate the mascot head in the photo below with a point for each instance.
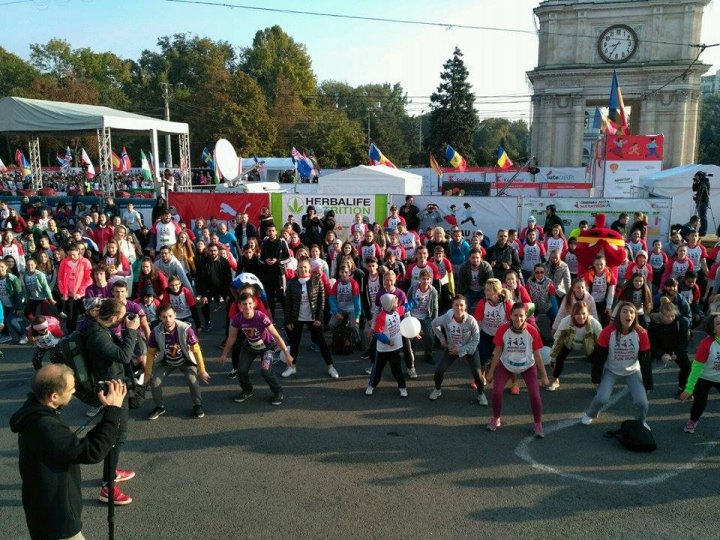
(600, 241)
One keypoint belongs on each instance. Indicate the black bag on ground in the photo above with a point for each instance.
(343, 339)
(634, 436)
(71, 352)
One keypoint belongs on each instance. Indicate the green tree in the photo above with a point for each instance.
(495, 131)
(453, 119)
(16, 74)
(709, 139)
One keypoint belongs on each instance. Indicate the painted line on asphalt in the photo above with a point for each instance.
(523, 452)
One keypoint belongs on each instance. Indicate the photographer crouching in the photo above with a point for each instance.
(51, 454)
(110, 341)
(701, 196)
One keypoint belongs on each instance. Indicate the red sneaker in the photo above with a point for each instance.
(119, 498)
(515, 390)
(473, 385)
(122, 476)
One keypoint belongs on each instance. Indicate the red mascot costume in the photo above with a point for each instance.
(600, 241)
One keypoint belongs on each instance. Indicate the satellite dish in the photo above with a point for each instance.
(227, 161)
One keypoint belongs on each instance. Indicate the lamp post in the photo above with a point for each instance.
(168, 143)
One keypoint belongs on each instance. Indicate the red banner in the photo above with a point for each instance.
(223, 206)
(635, 147)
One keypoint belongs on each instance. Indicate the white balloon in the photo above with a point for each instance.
(545, 353)
(410, 327)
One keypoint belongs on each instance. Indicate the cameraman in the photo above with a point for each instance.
(701, 196)
(111, 355)
(51, 454)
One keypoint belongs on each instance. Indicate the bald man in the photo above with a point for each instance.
(51, 453)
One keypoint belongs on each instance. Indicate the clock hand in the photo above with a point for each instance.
(617, 43)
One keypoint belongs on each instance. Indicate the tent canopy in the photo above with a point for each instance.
(21, 115)
(376, 179)
(676, 183)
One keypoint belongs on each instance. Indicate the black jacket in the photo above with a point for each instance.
(250, 232)
(50, 458)
(214, 277)
(109, 354)
(505, 254)
(316, 296)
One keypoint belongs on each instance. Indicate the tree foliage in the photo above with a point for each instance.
(453, 119)
(495, 131)
(709, 139)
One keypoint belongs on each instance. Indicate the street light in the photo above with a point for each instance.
(166, 96)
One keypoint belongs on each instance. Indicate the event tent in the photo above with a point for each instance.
(37, 116)
(370, 180)
(676, 184)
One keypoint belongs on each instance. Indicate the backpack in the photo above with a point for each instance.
(634, 436)
(343, 339)
(71, 354)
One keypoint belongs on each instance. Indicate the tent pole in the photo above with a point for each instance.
(35, 165)
(156, 161)
(185, 172)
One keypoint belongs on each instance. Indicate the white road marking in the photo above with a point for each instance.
(523, 452)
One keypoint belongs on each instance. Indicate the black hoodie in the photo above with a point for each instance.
(50, 454)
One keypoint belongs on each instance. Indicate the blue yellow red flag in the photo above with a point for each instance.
(455, 159)
(378, 158)
(503, 161)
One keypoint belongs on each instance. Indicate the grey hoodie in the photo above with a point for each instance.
(174, 268)
(471, 331)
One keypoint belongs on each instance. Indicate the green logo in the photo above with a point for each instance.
(295, 205)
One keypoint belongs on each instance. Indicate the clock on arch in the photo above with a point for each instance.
(617, 44)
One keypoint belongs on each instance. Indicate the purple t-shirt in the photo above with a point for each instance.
(130, 307)
(173, 351)
(402, 299)
(255, 330)
(93, 291)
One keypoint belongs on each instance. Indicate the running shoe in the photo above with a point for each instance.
(538, 430)
(333, 372)
(553, 385)
(198, 411)
(277, 399)
(289, 371)
(515, 390)
(403, 392)
(436, 393)
(119, 498)
(123, 475)
(157, 412)
(493, 424)
(690, 427)
(412, 373)
(244, 395)
(482, 400)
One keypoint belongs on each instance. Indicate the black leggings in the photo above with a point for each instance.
(407, 349)
(473, 361)
(382, 358)
(73, 308)
(700, 397)
(316, 334)
(560, 362)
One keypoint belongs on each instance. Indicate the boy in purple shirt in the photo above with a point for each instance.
(261, 339)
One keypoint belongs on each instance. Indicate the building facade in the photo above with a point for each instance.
(651, 46)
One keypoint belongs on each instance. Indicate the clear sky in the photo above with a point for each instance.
(347, 50)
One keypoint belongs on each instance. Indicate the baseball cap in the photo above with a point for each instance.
(532, 219)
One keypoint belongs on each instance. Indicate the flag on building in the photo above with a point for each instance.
(597, 119)
(455, 159)
(616, 107)
(3, 168)
(303, 164)
(145, 167)
(65, 161)
(22, 163)
(377, 157)
(207, 158)
(125, 160)
(116, 162)
(89, 169)
(503, 161)
(435, 166)
(151, 160)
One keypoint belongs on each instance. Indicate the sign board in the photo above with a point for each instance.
(623, 159)
(223, 206)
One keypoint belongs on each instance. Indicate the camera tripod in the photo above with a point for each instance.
(704, 194)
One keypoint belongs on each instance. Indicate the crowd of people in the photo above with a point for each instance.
(141, 296)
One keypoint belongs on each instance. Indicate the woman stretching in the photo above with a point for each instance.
(517, 350)
(622, 354)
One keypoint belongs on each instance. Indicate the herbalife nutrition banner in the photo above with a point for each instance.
(372, 207)
(571, 211)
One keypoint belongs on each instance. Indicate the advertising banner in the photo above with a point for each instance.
(573, 210)
(223, 206)
(623, 159)
(372, 207)
(469, 213)
(623, 177)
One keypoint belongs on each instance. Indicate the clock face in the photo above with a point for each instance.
(617, 44)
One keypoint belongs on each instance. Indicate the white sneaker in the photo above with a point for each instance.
(483, 400)
(333, 372)
(369, 391)
(586, 420)
(553, 385)
(291, 370)
(403, 392)
(368, 371)
(647, 426)
(412, 373)
(435, 394)
(23, 340)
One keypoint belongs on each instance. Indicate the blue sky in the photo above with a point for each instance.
(353, 51)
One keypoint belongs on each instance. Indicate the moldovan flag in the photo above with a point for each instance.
(3, 168)
(455, 159)
(116, 163)
(145, 166)
(125, 160)
(89, 170)
(435, 166)
(377, 157)
(616, 107)
(22, 163)
(503, 161)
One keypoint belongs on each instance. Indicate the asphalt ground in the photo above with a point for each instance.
(334, 463)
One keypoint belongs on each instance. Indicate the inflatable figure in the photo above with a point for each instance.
(600, 241)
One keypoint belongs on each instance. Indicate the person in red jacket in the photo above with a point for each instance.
(74, 276)
(103, 233)
(45, 333)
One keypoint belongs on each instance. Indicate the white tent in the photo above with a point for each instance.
(676, 184)
(370, 180)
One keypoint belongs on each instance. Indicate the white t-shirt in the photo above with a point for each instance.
(305, 309)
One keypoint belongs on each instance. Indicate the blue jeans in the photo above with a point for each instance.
(637, 391)
(12, 319)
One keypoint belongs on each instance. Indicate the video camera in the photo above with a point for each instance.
(701, 187)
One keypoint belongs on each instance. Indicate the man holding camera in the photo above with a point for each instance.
(701, 196)
(112, 356)
(51, 454)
